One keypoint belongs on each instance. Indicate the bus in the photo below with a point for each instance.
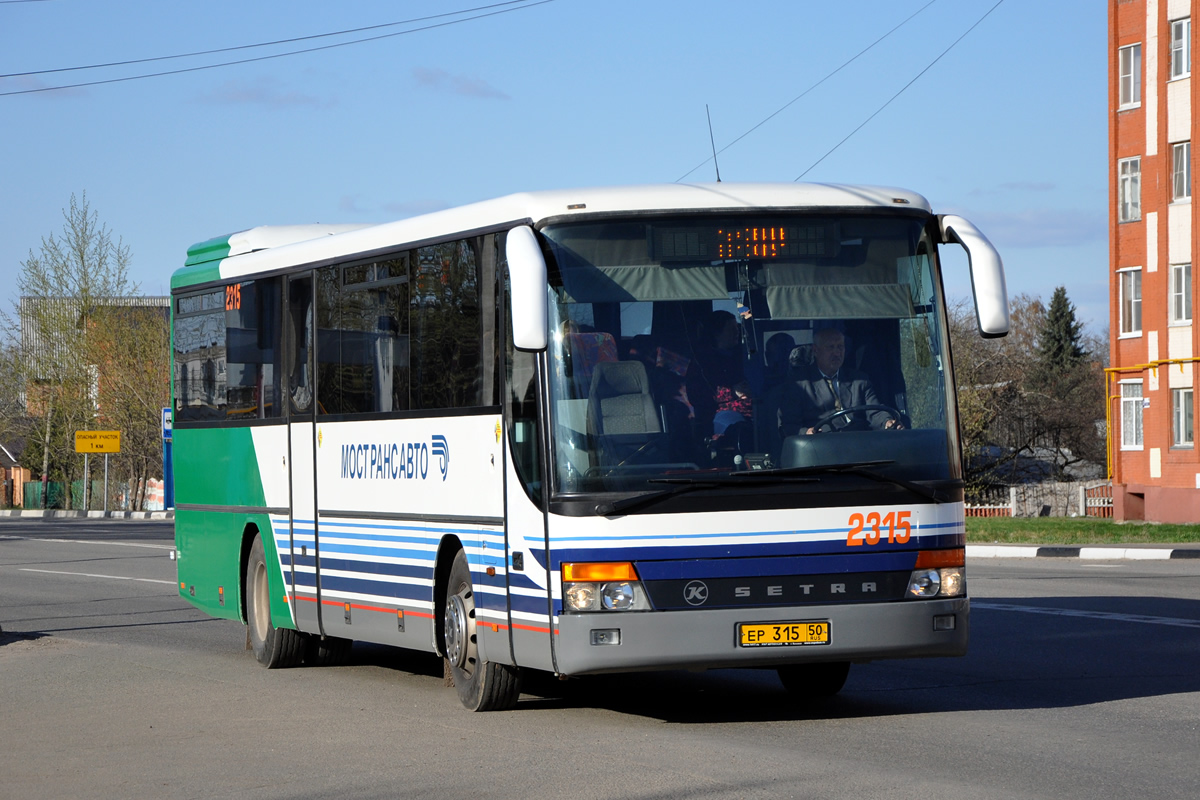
(564, 431)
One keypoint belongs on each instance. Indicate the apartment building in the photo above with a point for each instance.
(1151, 385)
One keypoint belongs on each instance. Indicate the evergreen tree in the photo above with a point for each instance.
(1060, 341)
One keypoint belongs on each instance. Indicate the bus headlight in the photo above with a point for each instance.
(616, 596)
(580, 596)
(944, 582)
(954, 581)
(602, 587)
(925, 583)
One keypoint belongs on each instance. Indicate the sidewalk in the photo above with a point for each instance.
(58, 513)
(1099, 552)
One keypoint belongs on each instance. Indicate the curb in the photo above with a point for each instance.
(1093, 553)
(61, 514)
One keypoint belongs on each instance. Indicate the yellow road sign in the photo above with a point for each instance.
(97, 441)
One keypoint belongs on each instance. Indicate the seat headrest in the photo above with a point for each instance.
(619, 377)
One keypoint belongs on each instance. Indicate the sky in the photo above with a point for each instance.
(1007, 128)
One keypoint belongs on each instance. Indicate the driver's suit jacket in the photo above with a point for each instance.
(809, 398)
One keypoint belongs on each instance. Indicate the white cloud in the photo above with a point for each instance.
(34, 85)
(439, 80)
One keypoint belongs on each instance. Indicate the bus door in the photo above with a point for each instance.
(299, 337)
(529, 591)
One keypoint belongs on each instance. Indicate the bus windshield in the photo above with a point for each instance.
(687, 348)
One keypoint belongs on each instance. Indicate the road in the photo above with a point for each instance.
(1083, 681)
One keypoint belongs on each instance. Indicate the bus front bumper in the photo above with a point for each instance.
(634, 641)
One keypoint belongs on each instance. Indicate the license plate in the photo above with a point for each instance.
(783, 634)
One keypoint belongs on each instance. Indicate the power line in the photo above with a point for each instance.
(902, 90)
(251, 46)
(276, 55)
(806, 91)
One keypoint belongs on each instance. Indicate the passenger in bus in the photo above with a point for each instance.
(716, 380)
(827, 386)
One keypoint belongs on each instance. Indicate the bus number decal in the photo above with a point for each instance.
(233, 297)
(898, 524)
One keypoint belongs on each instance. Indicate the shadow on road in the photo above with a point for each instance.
(1055, 653)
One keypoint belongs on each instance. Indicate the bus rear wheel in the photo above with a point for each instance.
(482, 685)
(814, 681)
(328, 651)
(273, 647)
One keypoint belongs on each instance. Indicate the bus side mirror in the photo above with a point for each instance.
(987, 275)
(527, 284)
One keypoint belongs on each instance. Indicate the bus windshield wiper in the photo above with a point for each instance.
(860, 468)
(684, 485)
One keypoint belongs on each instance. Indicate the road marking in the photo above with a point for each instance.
(93, 575)
(1073, 612)
(114, 544)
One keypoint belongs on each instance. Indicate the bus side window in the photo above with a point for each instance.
(447, 322)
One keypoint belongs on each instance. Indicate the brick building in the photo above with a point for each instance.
(1154, 461)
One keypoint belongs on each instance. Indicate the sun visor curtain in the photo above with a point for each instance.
(634, 283)
(839, 302)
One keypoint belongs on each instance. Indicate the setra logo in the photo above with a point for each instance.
(696, 593)
(441, 449)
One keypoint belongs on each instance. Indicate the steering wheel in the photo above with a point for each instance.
(825, 423)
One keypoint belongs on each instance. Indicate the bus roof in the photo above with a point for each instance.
(268, 248)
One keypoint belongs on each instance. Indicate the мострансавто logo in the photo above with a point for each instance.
(393, 461)
(441, 449)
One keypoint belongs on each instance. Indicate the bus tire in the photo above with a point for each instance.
(814, 681)
(329, 651)
(482, 685)
(273, 647)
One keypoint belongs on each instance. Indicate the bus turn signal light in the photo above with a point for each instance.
(607, 571)
(931, 559)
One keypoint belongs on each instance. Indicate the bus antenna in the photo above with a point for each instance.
(712, 142)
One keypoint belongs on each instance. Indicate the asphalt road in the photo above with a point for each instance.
(1083, 681)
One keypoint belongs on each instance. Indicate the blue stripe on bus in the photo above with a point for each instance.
(958, 527)
(779, 565)
(528, 605)
(758, 549)
(378, 568)
(406, 591)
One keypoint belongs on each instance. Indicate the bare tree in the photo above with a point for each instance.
(63, 286)
(1022, 416)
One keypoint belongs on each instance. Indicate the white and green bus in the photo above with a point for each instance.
(565, 431)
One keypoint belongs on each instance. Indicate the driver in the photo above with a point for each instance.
(826, 387)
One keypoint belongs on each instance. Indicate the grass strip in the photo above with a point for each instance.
(1075, 531)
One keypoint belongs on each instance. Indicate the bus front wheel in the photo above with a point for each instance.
(814, 680)
(273, 647)
(482, 685)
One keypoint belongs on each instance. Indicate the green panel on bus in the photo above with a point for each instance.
(209, 565)
(221, 467)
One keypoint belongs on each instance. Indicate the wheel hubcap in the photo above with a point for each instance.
(261, 611)
(456, 631)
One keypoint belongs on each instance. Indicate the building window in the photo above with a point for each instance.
(1129, 189)
(1181, 294)
(1131, 415)
(1130, 293)
(1181, 48)
(1130, 81)
(1181, 171)
(1181, 417)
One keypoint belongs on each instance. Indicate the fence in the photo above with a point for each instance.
(122, 497)
(1049, 499)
